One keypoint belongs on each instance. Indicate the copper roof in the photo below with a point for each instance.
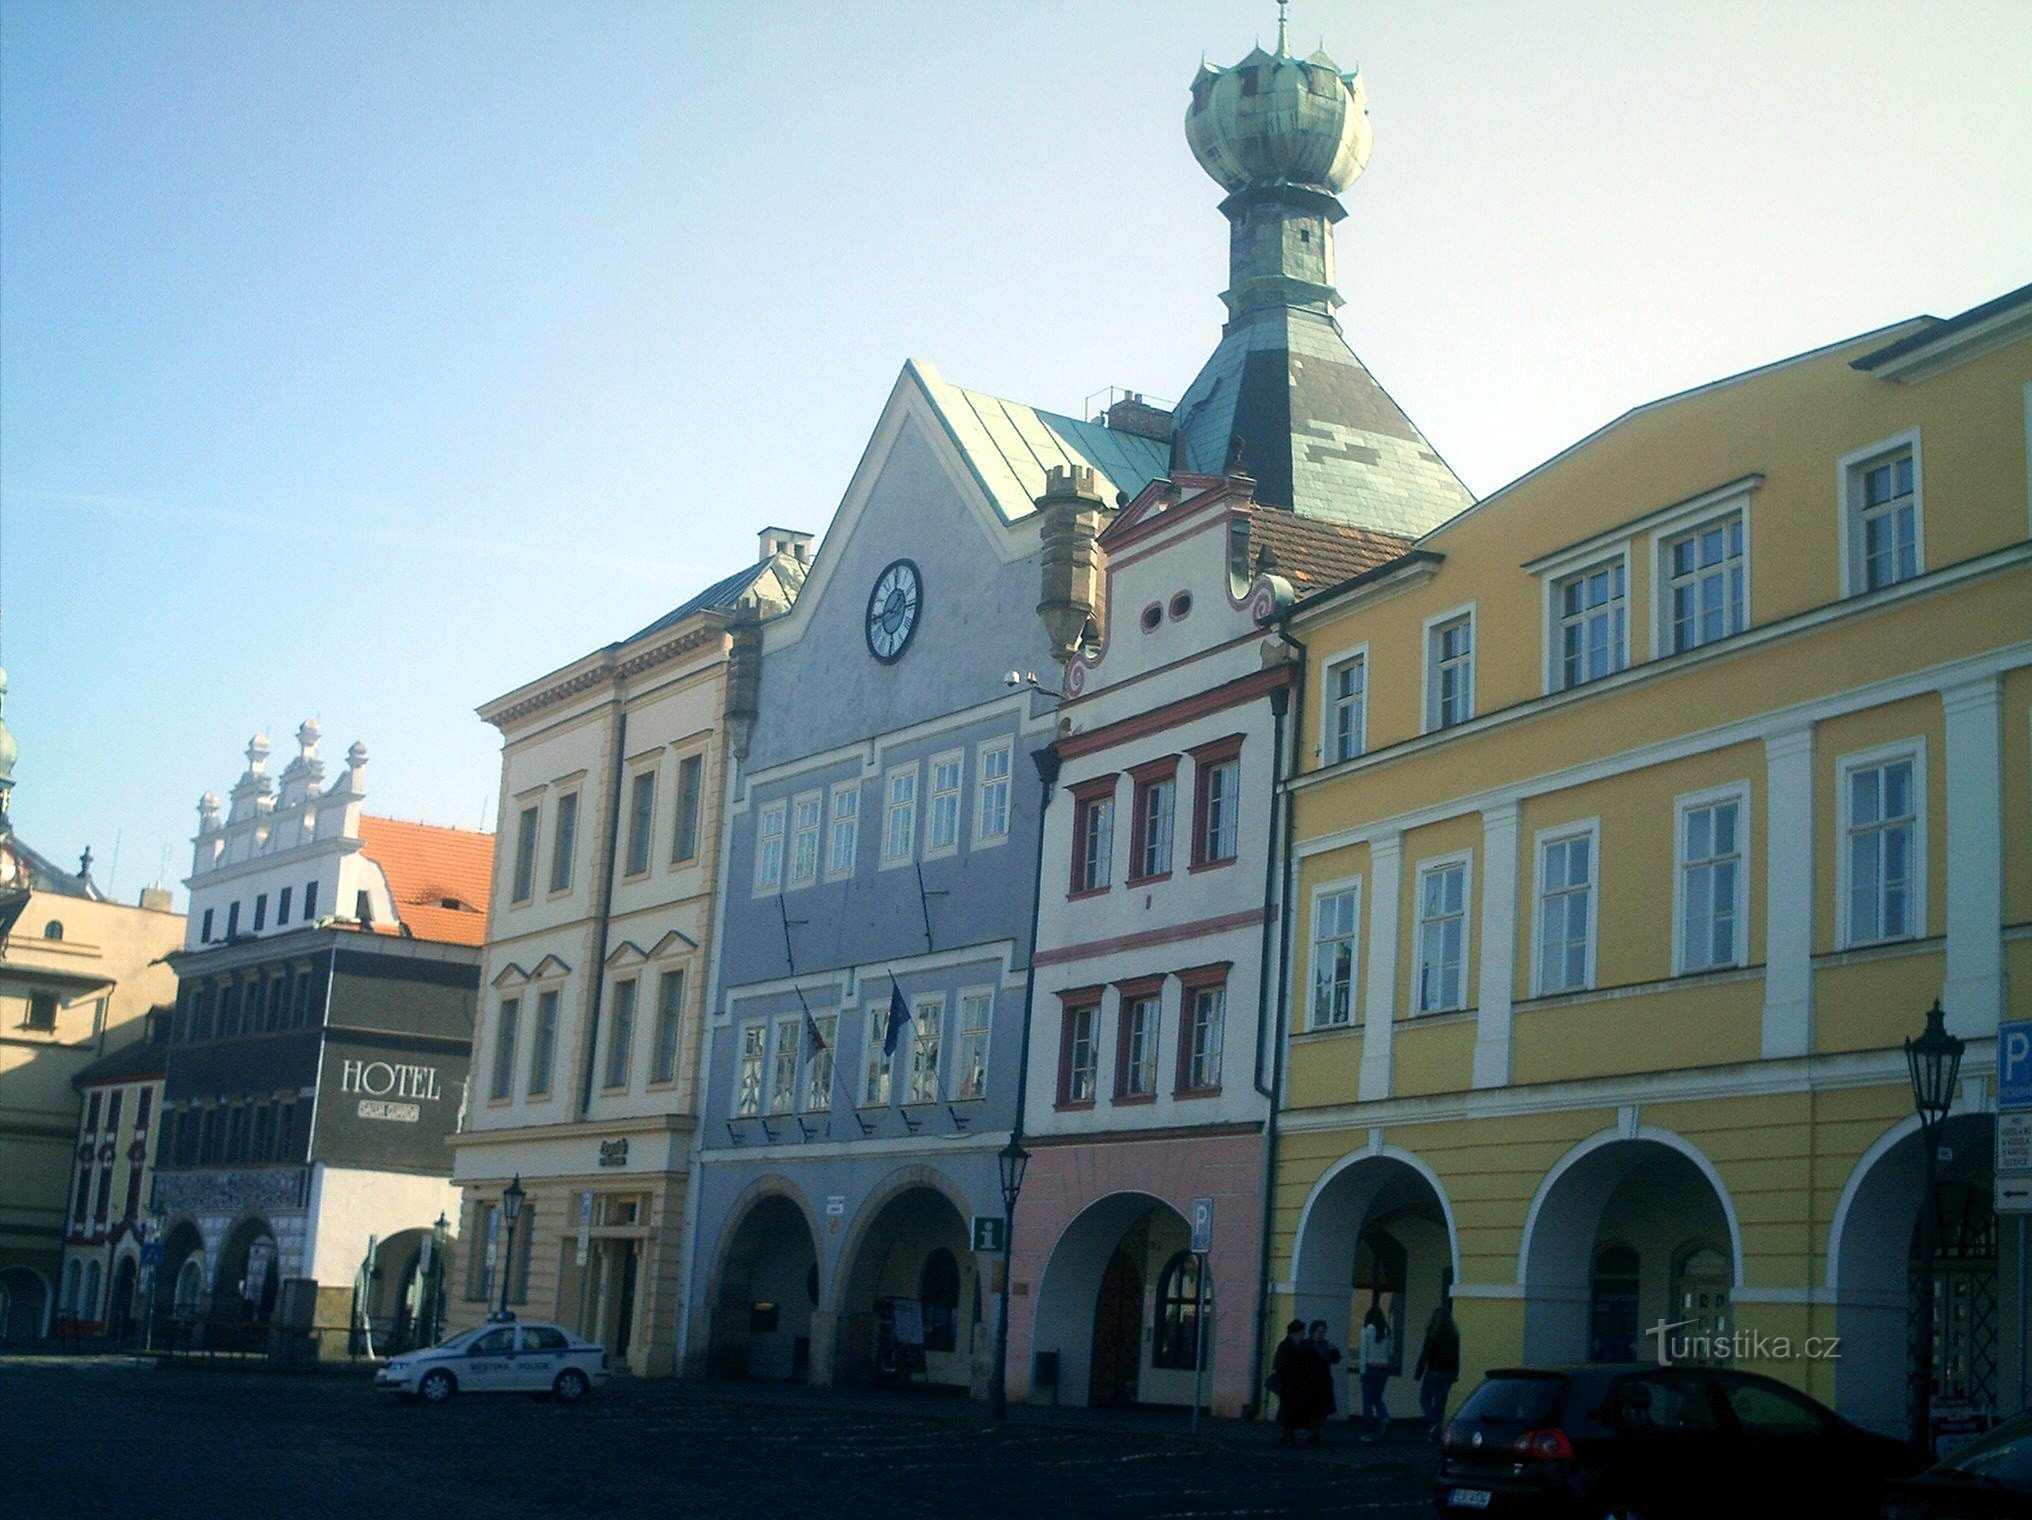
(440, 878)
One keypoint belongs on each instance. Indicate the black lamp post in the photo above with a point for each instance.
(433, 1287)
(1014, 1161)
(1934, 1061)
(511, 1210)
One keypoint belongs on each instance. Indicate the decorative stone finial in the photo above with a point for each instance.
(208, 812)
(85, 865)
(257, 753)
(357, 755)
(307, 736)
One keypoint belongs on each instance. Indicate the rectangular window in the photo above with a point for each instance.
(1883, 506)
(524, 885)
(1093, 841)
(641, 820)
(970, 1048)
(309, 901)
(844, 842)
(1566, 912)
(669, 1019)
(42, 1011)
(1704, 584)
(232, 920)
(1136, 1051)
(205, 929)
(806, 816)
(564, 842)
(927, 1028)
(543, 1048)
(875, 1061)
(899, 819)
(1594, 623)
(769, 825)
(1711, 883)
(621, 1034)
(1152, 808)
(1335, 918)
(363, 906)
(942, 830)
(684, 837)
(991, 798)
(1217, 805)
(260, 911)
(1450, 672)
(818, 1065)
(1079, 1054)
(1442, 938)
(282, 907)
(1206, 1017)
(262, 1141)
(1347, 696)
(783, 1066)
(748, 1071)
(303, 996)
(1881, 849)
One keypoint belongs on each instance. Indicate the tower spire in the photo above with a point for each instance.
(1283, 27)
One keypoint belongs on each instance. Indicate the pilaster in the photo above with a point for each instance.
(1974, 994)
(1379, 994)
(1788, 894)
(1499, 946)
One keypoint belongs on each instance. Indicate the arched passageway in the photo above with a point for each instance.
(909, 1308)
(24, 1306)
(1118, 1317)
(247, 1283)
(766, 1293)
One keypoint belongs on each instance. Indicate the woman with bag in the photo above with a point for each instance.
(1373, 1364)
(1291, 1380)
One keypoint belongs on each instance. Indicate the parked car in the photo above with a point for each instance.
(499, 1357)
(1637, 1440)
(1988, 1479)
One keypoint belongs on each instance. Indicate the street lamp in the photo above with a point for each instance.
(511, 1210)
(1013, 1161)
(433, 1287)
(1934, 1061)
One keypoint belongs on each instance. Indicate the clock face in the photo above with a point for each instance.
(893, 607)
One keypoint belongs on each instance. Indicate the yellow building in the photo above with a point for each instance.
(1645, 808)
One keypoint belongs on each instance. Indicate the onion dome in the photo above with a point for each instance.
(1275, 119)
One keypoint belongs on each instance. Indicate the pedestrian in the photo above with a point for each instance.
(1373, 1365)
(1291, 1380)
(1438, 1366)
(1328, 1356)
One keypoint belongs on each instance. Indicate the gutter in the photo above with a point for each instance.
(597, 982)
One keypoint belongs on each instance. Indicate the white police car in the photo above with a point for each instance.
(500, 1356)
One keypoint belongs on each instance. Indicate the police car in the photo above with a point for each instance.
(500, 1356)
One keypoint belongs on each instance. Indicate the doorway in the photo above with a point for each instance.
(1118, 1332)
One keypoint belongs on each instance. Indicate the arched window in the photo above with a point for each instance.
(53, 929)
(190, 1288)
(89, 1309)
(938, 1288)
(1177, 1340)
(68, 1304)
(1612, 1305)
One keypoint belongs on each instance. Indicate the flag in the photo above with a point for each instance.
(813, 1040)
(899, 1015)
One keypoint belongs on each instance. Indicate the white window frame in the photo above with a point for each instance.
(1589, 829)
(1738, 793)
(1320, 893)
(984, 783)
(817, 1096)
(1913, 749)
(933, 796)
(842, 829)
(786, 1038)
(890, 807)
(668, 979)
(1849, 505)
(1556, 577)
(1465, 859)
(1433, 626)
(612, 1044)
(746, 1042)
(795, 831)
(1330, 749)
(1697, 519)
(964, 1038)
(777, 813)
(646, 836)
(875, 1027)
(918, 1092)
(555, 991)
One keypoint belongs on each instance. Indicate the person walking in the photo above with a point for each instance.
(1373, 1366)
(1327, 1356)
(1438, 1366)
(1291, 1379)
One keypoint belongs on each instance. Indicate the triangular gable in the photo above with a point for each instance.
(510, 975)
(627, 953)
(672, 943)
(1167, 501)
(550, 965)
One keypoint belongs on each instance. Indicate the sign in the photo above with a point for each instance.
(2014, 1142)
(1202, 1225)
(989, 1232)
(909, 1318)
(380, 1108)
(614, 1152)
(2014, 1065)
(388, 1079)
(585, 1225)
(2013, 1195)
(151, 1254)
(836, 1204)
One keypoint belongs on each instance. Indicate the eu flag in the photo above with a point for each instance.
(899, 1015)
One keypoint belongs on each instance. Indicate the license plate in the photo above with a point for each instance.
(1468, 1498)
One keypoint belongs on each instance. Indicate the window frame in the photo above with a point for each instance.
(1145, 780)
(1918, 922)
(1350, 886)
(1708, 514)
(1092, 875)
(620, 1034)
(1077, 1004)
(1434, 627)
(1206, 759)
(934, 795)
(786, 1041)
(751, 1058)
(1555, 579)
(1542, 840)
(1431, 865)
(528, 845)
(769, 881)
(891, 808)
(796, 830)
(1738, 793)
(669, 1021)
(874, 1061)
(688, 808)
(564, 843)
(1330, 750)
(507, 1036)
(834, 870)
(1192, 985)
(922, 1086)
(828, 1024)
(1849, 472)
(963, 1035)
(548, 1001)
(1004, 747)
(641, 840)
(1130, 997)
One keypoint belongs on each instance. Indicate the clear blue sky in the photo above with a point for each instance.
(368, 360)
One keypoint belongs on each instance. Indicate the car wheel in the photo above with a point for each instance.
(437, 1387)
(571, 1386)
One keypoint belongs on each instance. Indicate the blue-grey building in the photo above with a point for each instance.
(881, 854)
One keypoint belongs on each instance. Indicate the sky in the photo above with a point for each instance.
(365, 361)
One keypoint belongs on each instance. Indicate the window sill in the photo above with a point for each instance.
(1144, 881)
(1189, 1094)
(1212, 865)
(1086, 892)
(1134, 1100)
(1325, 1031)
(1073, 1105)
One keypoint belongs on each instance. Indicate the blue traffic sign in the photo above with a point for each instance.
(2014, 1065)
(151, 1254)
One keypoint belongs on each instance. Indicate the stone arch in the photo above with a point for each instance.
(1070, 1289)
(25, 1305)
(767, 1253)
(913, 1212)
(246, 1278)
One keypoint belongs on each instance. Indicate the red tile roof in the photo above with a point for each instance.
(439, 877)
(1312, 554)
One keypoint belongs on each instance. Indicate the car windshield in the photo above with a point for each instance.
(2003, 1457)
(462, 1340)
(1516, 1401)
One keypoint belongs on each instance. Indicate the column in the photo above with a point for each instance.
(1974, 888)
(1788, 893)
(1499, 945)
(1379, 993)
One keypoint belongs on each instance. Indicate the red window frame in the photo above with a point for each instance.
(1146, 777)
(1076, 1001)
(1128, 995)
(1204, 759)
(1084, 795)
(1191, 984)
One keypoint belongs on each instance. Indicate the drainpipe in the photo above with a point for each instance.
(598, 976)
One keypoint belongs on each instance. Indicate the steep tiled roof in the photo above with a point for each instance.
(439, 877)
(788, 574)
(1311, 554)
(136, 1061)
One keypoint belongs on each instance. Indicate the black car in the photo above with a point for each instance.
(1988, 1479)
(1612, 1440)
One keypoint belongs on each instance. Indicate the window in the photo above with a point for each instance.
(1704, 584)
(806, 816)
(1079, 1055)
(899, 820)
(938, 1290)
(1176, 1342)
(942, 829)
(1711, 883)
(303, 996)
(205, 930)
(260, 911)
(525, 858)
(669, 1017)
(260, 1143)
(1205, 1015)
(1347, 707)
(1150, 823)
(684, 837)
(53, 929)
(1882, 505)
(309, 901)
(783, 1067)
(1882, 845)
(563, 842)
(1217, 802)
(504, 1049)
(1136, 1050)
(282, 906)
(1594, 623)
(543, 1048)
(621, 1034)
(769, 847)
(1566, 911)
(970, 1053)
(927, 1029)
(1442, 937)
(748, 1071)
(845, 841)
(1766, 1410)
(1093, 836)
(991, 799)
(641, 820)
(875, 1060)
(1450, 671)
(232, 920)
(818, 1067)
(1335, 917)
(42, 1011)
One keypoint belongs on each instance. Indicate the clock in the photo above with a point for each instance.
(893, 607)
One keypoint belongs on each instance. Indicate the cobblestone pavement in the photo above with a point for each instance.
(82, 1439)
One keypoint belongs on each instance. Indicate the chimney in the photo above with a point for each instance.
(1133, 415)
(775, 541)
(157, 899)
(1071, 604)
